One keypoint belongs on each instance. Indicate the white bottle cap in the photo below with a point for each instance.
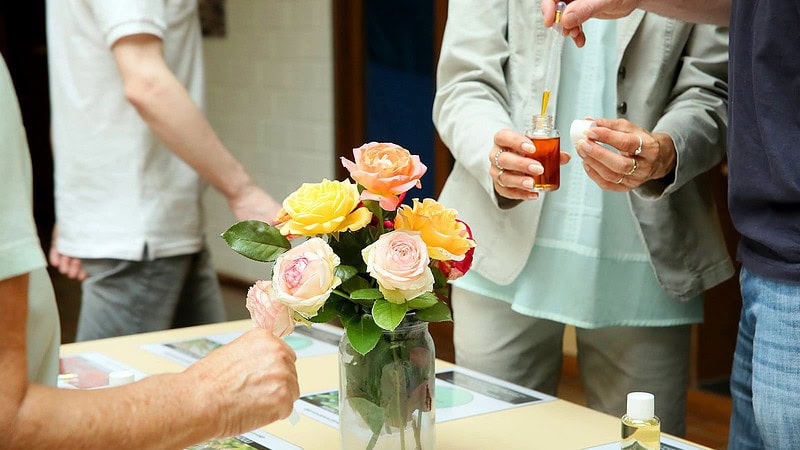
(120, 377)
(641, 405)
(577, 128)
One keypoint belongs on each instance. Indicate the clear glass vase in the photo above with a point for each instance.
(386, 397)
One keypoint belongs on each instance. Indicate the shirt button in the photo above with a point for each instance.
(621, 73)
(622, 107)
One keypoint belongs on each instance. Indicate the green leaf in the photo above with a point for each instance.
(375, 208)
(362, 333)
(348, 311)
(256, 240)
(394, 392)
(422, 301)
(388, 315)
(372, 414)
(366, 294)
(345, 272)
(439, 312)
(354, 284)
(329, 310)
(439, 280)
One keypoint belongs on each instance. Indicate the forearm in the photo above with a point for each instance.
(717, 12)
(175, 119)
(163, 411)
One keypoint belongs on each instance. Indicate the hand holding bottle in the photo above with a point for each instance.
(512, 166)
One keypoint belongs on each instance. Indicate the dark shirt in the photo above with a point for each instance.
(764, 135)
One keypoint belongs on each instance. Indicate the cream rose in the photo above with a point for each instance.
(303, 276)
(268, 313)
(399, 262)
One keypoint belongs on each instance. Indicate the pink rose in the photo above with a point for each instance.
(268, 313)
(385, 170)
(452, 269)
(399, 262)
(303, 277)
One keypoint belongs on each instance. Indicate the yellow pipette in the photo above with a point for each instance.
(554, 58)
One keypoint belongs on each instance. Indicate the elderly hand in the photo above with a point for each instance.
(248, 383)
(512, 166)
(642, 156)
(579, 11)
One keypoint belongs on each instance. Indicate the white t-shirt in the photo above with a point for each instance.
(117, 187)
(20, 252)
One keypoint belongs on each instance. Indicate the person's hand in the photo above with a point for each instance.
(252, 203)
(512, 166)
(579, 11)
(67, 265)
(642, 156)
(248, 383)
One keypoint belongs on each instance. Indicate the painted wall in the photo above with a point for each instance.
(270, 98)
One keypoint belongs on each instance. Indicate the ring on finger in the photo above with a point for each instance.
(638, 150)
(497, 160)
(499, 179)
(620, 180)
(633, 169)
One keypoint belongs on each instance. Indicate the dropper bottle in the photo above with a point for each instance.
(641, 429)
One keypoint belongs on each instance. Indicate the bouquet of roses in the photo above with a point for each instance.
(373, 264)
(367, 260)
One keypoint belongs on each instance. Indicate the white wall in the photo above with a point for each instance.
(270, 98)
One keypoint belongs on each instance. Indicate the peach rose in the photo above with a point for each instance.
(303, 277)
(446, 237)
(385, 170)
(268, 313)
(399, 262)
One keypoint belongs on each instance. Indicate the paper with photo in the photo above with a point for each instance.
(667, 443)
(318, 340)
(254, 440)
(459, 393)
(90, 370)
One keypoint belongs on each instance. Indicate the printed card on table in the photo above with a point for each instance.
(90, 370)
(320, 340)
(254, 440)
(667, 443)
(459, 393)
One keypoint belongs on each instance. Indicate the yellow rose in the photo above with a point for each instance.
(446, 238)
(321, 208)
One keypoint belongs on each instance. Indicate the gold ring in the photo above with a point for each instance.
(500, 181)
(633, 169)
(497, 160)
(620, 180)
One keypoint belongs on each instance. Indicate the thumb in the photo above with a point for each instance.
(580, 11)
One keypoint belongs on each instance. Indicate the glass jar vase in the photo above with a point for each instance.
(386, 397)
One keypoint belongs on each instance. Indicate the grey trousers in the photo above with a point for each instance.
(126, 297)
(492, 338)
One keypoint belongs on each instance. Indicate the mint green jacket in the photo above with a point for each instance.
(672, 78)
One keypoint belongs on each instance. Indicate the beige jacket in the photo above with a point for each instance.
(672, 78)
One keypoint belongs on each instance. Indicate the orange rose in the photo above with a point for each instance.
(446, 237)
(385, 170)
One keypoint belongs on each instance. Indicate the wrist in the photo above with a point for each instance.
(667, 156)
(204, 400)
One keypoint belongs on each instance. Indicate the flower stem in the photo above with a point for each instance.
(400, 410)
(373, 441)
(417, 430)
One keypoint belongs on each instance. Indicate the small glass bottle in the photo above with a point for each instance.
(548, 152)
(641, 429)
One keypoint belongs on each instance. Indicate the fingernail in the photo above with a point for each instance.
(590, 134)
(528, 147)
(528, 184)
(536, 169)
